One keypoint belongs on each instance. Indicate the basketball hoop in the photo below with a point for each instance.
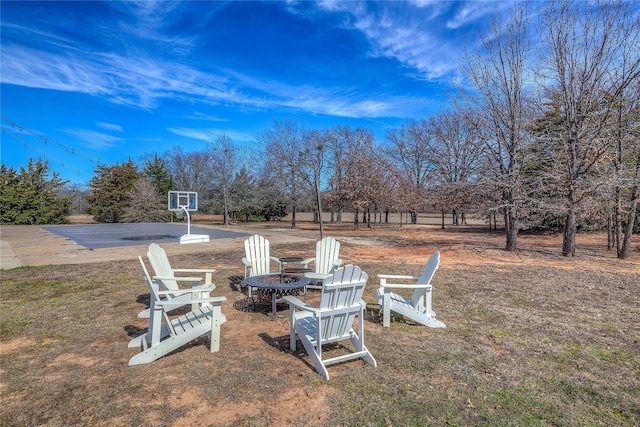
(183, 202)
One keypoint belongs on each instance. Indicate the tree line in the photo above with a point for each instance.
(542, 133)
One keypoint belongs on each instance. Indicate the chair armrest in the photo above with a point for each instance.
(178, 279)
(186, 290)
(192, 301)
(203, 288)
(246, 262)
(194, 270)
(397, 276)
(338, 263)
(295, 302)
(277, 260)
(194, 283)
(405, 286)
(307, 261)
(384, 284)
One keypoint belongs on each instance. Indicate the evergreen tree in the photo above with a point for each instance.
(31, 197)
(157, 172)
(112, 191)
(244, 197)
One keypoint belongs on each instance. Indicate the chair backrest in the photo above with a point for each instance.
(340, 301)
(153, 297)
(256, 249)
(425, 278)
(160, 263)
(327, 254)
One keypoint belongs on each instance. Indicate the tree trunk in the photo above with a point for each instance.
(319, 203)
(633, 209)
(293, 216)
(443, 221)
(611, 239)
(626, 244)
(617, 230)
(511, 229)
(226, 209)
(569, 234)
(355, 220)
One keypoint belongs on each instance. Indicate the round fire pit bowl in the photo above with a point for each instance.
(271, 287)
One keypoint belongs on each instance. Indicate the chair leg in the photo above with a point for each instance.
(292, 330)
(386, 309)
(216, 315)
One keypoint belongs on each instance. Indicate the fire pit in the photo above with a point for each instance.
(271, 287)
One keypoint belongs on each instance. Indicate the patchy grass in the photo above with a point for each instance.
(531, 339)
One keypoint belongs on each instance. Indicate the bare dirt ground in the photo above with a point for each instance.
(255, 380)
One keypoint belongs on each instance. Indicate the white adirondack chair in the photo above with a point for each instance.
(257, 259)
(166, 335)
(162, 268)
(418, 307)
(324, 263)
(340, 302)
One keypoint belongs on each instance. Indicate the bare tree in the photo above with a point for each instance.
(584, 46)
(497, 74)
(147, 205)
(454, 154)
(284, 149)
(315, 142)
(191, 172)
(411, 151)
(626, 166)
(339, 141)
(224, 165)
(358, 177)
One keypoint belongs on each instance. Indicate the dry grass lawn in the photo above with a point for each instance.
(532, 338)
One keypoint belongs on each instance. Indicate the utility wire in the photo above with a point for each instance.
(46, 140)
(44, 153)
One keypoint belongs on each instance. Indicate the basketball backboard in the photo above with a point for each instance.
(179, 200)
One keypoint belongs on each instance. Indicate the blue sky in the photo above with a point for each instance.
(94, 82)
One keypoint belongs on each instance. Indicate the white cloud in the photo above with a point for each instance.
(110, 126)
(142, 81)
(405, 31)
(149, 20)
(345, 103)
(96, 140)
(210, 135)
(206, 117)
(474, 10)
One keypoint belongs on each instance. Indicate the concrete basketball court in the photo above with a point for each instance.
(33, 245)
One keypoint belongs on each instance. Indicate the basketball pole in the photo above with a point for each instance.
(184, 208)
